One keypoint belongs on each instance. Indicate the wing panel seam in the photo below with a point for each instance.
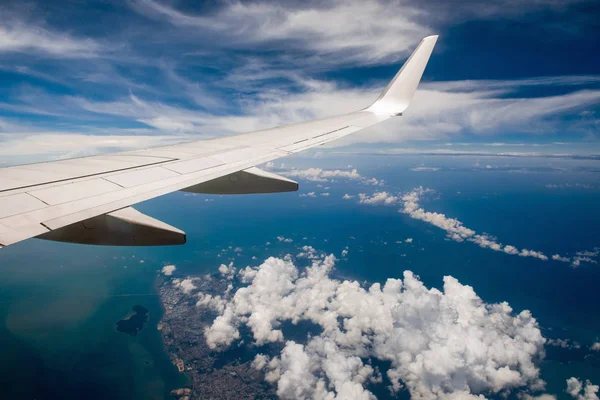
(83, 176)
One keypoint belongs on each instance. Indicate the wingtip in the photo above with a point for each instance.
(398, 94)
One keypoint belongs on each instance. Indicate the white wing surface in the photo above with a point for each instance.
(87, 200)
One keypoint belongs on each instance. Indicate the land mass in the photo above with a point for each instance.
(133, 324)
(212, 374)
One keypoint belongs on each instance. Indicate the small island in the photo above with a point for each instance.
(134, 323)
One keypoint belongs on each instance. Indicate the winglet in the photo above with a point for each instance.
(398, 94)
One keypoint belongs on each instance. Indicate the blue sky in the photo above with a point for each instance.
(82, 78)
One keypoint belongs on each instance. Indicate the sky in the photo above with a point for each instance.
(507, 115)
(81, 78)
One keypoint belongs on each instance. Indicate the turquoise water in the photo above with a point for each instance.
(59, 303)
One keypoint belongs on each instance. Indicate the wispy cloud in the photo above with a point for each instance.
(27, 38)
(334, 31)
(268, 67)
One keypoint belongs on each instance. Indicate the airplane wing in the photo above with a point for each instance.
(88, 200)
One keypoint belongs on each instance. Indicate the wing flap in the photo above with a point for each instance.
(69, 192)
(249, 181)
(125, 227)
(193, 165)
(138, 177)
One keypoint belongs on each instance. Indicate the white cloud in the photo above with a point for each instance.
(309, 194)
(284, 239)
(581, 391)
(325, 194)
(227, 270)
(215, 303)
(570, 185)
(247, 274)
(330, 175)
(332, 32)
(438, 113)
(440, 344)
(540, 397)
(26, 146)
(348, 197)
(424, 169)
(408, 240)
(186, 285)
(260, 361)
(455, 228)
(308, 252)
(28, 38)
(435, 113)
(322, 175)
(384, 198)
(563, 343)
(595, 346)
(168, 124)
(168, 270)
(361, 33)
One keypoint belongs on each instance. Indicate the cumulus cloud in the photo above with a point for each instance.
(186, 285)
(227, 271)
(348, 196)
(168, 270)
(540, 397)
(444, 343)
(322, 175)
(595, 346)
(582, 391)
(215, 303)
(309, 252)
(384, 198)
(558, 257)
(330, 175)
(309, 194)
(284, 239)
(260, 361)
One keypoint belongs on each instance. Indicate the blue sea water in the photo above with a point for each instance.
(59, 302)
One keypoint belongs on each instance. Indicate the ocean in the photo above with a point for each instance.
(59, 303)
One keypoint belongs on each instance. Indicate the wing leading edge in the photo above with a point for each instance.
(64, 200)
